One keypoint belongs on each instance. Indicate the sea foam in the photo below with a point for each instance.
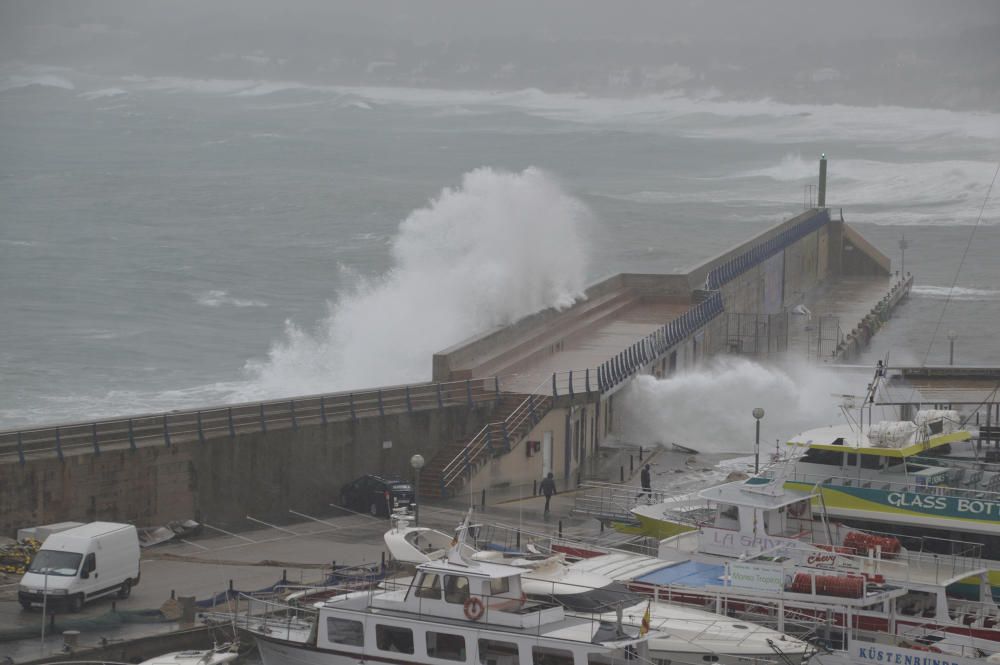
(501, 246)
(710, 408)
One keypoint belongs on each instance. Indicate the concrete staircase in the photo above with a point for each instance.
(513, 418)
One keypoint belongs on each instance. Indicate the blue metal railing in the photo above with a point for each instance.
(741, 263)
(612, 372)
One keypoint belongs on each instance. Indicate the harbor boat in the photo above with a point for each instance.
(689, 634)
(762, 519)
(454, 610)
(857, 621)
(892, 472)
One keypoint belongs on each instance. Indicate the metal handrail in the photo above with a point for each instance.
(481, 444)
(470, 454)
(170, 427)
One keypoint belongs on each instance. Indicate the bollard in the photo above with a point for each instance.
(230, 588)
(560, 528)
(187, 610)
(622, 475)
(284, 575)
(631, 464)
(482, 502)
(71, 639)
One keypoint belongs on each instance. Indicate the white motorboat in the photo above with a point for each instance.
(454, 610)
(689, 634)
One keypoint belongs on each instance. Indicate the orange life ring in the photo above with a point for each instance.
(473, 608)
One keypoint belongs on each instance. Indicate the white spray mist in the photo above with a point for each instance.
(710, 408)
(501, 246)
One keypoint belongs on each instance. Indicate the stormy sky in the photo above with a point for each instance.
(911, 52)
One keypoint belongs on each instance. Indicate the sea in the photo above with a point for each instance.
(168, 243)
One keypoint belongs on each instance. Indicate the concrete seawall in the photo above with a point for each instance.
(223, 479)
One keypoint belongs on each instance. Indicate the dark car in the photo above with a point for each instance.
(376, 495)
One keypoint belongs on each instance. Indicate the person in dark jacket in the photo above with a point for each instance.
(548, 489)
(647, 482)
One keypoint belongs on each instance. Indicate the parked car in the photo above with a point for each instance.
(377, 495)
(81, 564)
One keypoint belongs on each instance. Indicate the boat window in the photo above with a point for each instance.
(445, 646)
(394, 638)
(820, 456)
(456, 589)
(550, 656)
(495, 652)
(499, 585)
(345, 631)
(871, 462)
(852, 459)
(429, 587)
(894, 461)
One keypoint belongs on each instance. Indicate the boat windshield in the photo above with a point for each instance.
(63, 564)
(604, 599)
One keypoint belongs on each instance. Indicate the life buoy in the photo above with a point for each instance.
(473, 608)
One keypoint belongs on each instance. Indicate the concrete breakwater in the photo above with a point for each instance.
(221, 464)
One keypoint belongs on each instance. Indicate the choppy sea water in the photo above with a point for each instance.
(167, 243)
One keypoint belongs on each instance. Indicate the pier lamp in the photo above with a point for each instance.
(952, 336)
(758, 413)
(417, 462)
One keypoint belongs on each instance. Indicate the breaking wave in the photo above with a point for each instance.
(217, 298)
(958, 293)
(41, 80)
(501, 246)
(710, 408)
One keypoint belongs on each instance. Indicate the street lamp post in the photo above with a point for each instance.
(417, 462)
(952, 336)
(758, 413)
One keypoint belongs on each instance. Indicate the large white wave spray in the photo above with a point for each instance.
(710, 408)
(499, 247)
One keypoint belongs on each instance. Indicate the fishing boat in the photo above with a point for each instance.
(686, 634)
(453, 610)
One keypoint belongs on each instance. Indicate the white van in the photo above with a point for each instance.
(81, 564)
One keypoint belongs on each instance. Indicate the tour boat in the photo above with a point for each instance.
(760, 519)
(454, 610)
(687, 634)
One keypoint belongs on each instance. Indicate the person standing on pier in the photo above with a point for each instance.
(647, 482)
(548, 488)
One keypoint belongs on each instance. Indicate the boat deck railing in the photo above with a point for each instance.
(613, 502)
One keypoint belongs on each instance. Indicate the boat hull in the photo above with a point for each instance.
(929, 511)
